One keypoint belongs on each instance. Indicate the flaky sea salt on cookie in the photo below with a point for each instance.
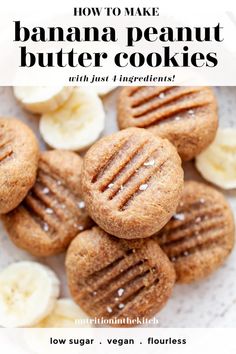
(19, 154)
(132, 182)
(200, 235)
(187, 116)
(53, 212)
(118, 279)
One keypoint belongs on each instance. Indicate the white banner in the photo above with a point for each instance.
(111, 43)
(104, 341)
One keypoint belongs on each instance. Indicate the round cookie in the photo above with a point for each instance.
(132, 182)
(118, 279)
(52, 213)
(19, 154)
(200, 235)
(187, 116)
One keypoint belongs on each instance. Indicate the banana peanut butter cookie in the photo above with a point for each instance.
(200, 235)
(187, 116)
(52, 213)
(19, 154)
(116, 278)
(132, 182)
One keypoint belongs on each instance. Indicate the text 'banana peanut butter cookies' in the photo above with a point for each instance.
(19, 154)
(118, 279)
(200, 235)
(52, 213)
(132, 182)
(187, 116)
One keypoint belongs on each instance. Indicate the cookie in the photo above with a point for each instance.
(200, 235)
(118, 279)
(19, 154)
(52, 213)
(187, 116)
(132, 182)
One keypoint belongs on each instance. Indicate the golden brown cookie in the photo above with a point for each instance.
(118, 279)
(200, 235)
(19, 154)
(132, 182)
(187, 116)
(52, 213)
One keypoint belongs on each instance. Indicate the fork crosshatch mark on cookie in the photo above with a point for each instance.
(53, 212)
(187, 116)
(132, 182)
(200, 235)
(116, 278)
(19, 154)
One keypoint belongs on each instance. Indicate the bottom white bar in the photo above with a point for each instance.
(138, 340)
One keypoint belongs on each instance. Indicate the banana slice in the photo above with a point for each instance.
(217, 163)
(28, 292)
(77, 124)
(66, 314)
(103, 90)
(42, 99)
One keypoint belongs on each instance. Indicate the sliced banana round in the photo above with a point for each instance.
(103, 90)
(42, 99)
(77, 124)
(217, 164)
(28, 292)
(66, 314)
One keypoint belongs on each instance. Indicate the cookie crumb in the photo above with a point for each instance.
(110, 185)
(162, 95)
(177, 118)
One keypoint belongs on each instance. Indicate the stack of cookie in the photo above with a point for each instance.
(133, 226)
